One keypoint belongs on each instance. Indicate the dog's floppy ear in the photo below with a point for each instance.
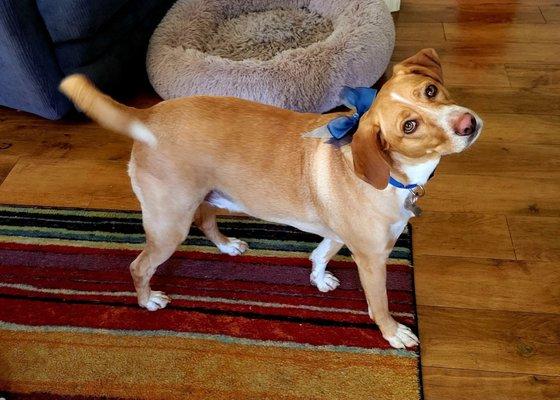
(371, 162)
(425, 62)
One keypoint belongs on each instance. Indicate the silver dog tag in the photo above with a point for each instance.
(410, 202)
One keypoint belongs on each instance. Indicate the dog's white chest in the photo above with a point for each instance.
(405, 214)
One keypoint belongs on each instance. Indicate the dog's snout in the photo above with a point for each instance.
(465, 125)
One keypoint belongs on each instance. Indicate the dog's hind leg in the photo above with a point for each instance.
(165, 229)
(205, 220)
(320, 277)
(167, 214)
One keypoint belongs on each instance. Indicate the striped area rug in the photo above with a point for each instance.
(246, 327)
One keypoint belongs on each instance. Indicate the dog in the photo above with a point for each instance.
(195, 155)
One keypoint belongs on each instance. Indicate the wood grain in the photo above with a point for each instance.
(535, 238)
(501, 341)
(62, 182)
(487, 284)
(475, 5)
(462, 234)
(501, 33)
(6, 165)
(471, 74)
(507, 160)
(493, 53)
(475, 74)
(82, 141)
(520, 129)
(115, 202)
(461, 384)
(432, 32)
(502, 194)
(551, 13)
(529, 76)
(508, 100)
(490, 13)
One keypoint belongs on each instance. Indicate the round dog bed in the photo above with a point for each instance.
(295, 54)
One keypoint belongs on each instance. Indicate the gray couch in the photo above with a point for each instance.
(41, 41)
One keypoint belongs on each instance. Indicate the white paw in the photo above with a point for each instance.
(233, 247)
(157, 300)
(403, 338)
(325, 282)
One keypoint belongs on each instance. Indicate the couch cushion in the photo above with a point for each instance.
(128, 25)
(29, 72)
(76, 19)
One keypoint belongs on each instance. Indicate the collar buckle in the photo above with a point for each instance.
(417, 192)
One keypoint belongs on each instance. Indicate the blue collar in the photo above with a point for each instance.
(400, 185)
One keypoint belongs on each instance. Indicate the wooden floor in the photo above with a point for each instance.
(487, 248)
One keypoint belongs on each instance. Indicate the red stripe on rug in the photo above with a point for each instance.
(210, 305)
(113, 281)
(109, 316)
(231, 269)
(191, 255)
(184, 305)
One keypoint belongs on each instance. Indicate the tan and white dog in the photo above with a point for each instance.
(194, 155)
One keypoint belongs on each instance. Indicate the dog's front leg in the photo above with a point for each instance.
(320, 277)
(373, 276)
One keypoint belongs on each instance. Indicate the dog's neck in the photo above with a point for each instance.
(413, 171)
(406, 170)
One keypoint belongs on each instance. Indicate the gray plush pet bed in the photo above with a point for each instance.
(294, 54)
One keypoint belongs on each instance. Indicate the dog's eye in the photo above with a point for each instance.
(410, 126)
(431, 91)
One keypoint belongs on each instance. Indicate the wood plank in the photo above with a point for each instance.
(487, 284)
(6, 165)
(85, 141)
(501, 33)
(46, 199)
(501, 341)
(475, 4)
(551, 13)
(529, 76)
(462, 384)
(535, 238)
(462, 234)
(470, 74)
(501, 194)
(520, 129)
(415, 31)
(507, 100)
(7, 113)
(61, 182)
(108, 202)
(493, 53)
(475, 74)
(506, 160)
(490, 13)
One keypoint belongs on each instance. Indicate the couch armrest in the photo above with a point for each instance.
(30, 72)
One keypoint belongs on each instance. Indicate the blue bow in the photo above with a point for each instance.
(360, 99)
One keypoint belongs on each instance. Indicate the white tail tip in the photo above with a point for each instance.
(141, 133)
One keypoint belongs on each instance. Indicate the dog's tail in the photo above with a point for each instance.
(104, 110)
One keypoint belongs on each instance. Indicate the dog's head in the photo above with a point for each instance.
(414, 116)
